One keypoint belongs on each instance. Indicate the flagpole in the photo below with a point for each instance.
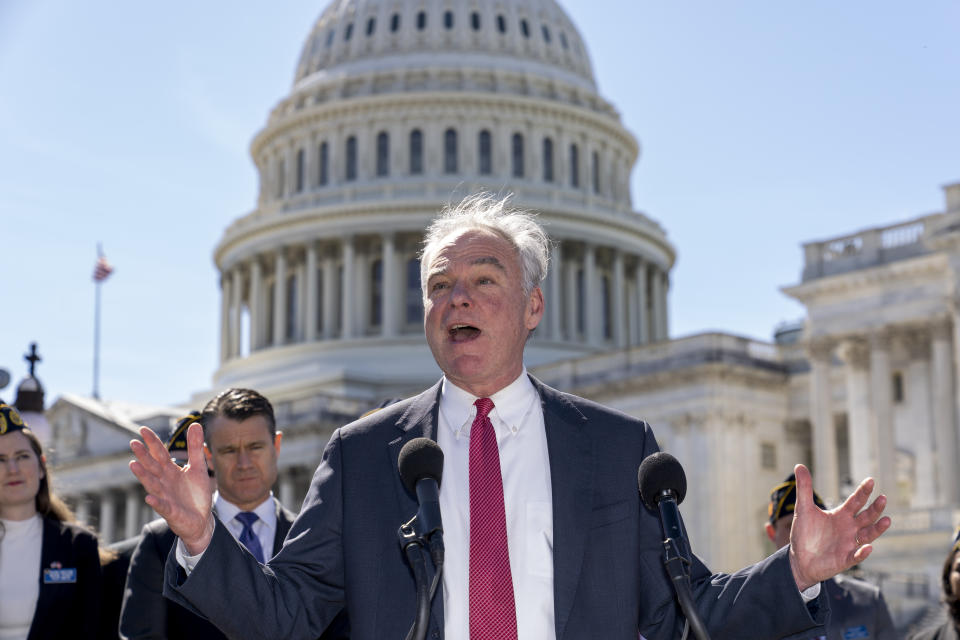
(96, 332)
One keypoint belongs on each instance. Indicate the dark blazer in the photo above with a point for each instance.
(67, 607)
(145, 612)
(857, 610)
(114, 577)
(609, 580)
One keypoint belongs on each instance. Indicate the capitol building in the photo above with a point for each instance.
(399, 107)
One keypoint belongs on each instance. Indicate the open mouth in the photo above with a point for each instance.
(463, 332)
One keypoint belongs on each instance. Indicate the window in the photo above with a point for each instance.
(416, 152)
(330, 36)
(596, 172)
(475, 21)
(371, 25)
(606, 306)
(383, 154)
(348, 32)
(768, 456)
(323, 173)
(574, 166)
(525, 28)
(546, 33)
(414, 313)
(281, 174)
(394, 22)
(351, 168)
(563, 40)
(547, 160)
(448, 19)
(421, 20)
(450, 151)
(290, 331)
(301, 168)
(517, 155)
(376, 293)
(501, 23)
(897, 387)
(318, 320)
(485, 153)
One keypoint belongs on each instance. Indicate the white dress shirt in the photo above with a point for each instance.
(517, 418)
(20, 555)
(265, 528)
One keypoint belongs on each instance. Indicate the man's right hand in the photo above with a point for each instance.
(180, 496)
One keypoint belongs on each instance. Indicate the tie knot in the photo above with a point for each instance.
(247, 518)
(484, 407)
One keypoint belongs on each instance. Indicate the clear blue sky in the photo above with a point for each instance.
(762, 125)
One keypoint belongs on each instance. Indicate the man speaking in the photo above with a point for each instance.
(545, 533)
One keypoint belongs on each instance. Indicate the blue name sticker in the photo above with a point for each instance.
(856, 632)
(59, 576)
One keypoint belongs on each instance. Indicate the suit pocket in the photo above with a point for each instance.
(611, 513)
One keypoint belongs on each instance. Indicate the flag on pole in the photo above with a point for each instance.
(102, 269)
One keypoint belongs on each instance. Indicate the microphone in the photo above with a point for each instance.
(663, 486)
(421, 468)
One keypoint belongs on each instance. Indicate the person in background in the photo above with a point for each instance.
(49, 564)
(857, 608)
(948, 628)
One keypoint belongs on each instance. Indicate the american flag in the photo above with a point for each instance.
(102, 269)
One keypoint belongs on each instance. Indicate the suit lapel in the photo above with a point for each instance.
(571, 477)
(283, 526)
(49, 550)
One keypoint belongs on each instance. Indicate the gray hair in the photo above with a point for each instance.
(489, 213)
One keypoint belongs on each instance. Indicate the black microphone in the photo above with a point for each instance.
(663, 486)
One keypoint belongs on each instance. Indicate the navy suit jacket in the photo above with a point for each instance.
(609, 581)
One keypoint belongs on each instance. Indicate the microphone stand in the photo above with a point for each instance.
(412, 545)
(676, 560)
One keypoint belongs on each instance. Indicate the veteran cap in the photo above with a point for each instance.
(783, 498)
(178, 439)
(10, 419)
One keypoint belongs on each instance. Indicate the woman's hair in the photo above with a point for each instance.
(951, 599)
(48, 504)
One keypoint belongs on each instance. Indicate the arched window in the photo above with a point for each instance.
(351, 168)
(376, 293)
(371, 26)
(595, 168)
(348, 32)
(574, 166)
(450, 151)
(394, 22)
(525, 28)
(416, 152)
(323, 170)
(281, 175)
(475, 20)
(546, 33)
(414, 313)
(485, 153)
(517, 155)
(301, 169)
(383, 154)
(501, 23)
(448, 19)
(421, 20)
(547, 160)
(290, 331)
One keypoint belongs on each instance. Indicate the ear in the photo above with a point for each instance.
(276, 441)
(771, 532)
(534, 309)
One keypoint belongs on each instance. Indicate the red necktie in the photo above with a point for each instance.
(493, 614)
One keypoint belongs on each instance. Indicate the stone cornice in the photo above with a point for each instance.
(932, 264)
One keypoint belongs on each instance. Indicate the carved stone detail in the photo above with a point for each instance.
(856, 353)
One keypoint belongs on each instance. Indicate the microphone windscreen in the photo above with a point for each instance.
(659, 472)
(420, 458)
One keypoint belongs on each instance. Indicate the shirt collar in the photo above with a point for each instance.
(227, 511)
(510, 406)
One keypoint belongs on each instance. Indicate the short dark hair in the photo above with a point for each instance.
(951, 599)
(239, 405)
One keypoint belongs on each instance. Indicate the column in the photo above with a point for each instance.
(553, 301)
(280, 298)
(236, 290)
(329, 295)
(572, 301)
(945, 437)
(643, 319)
(616, 303)
(594, 314)
(659, 331)
(108, 517)
(390, 287)
(880, 383)
(131, 524)
(290, 165)
(226, 336)
(254, 303)
(856, 356)
(310, 161)
(918, 395)
(821, 418)
(83, 509)
(310, 300)
(664, 307)
(347, 292)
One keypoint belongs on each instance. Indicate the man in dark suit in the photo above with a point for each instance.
(857, 608)
(545, 533)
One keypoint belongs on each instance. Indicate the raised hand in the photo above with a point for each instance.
(824, 543)
(181, 496)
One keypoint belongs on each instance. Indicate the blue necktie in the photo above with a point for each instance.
(247, 537)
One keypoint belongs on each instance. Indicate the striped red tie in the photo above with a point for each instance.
(493, 614)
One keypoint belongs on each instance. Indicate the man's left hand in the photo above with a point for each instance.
(824, 543)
